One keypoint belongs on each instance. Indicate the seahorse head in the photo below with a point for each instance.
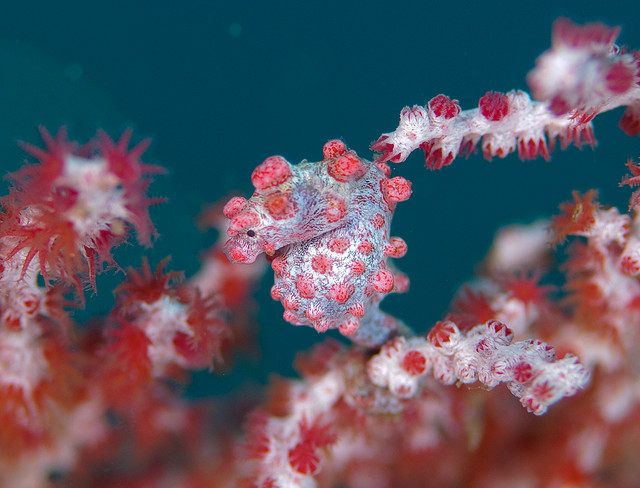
(293, 203)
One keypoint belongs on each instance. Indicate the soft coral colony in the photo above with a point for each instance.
(99, 405)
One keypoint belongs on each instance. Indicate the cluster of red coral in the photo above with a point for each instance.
(100, 404)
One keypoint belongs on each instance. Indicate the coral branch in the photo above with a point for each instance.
(485, 354)
(582, 75)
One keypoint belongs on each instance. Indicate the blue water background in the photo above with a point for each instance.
(219, 86)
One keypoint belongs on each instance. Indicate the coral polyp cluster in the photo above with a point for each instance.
(76, 204)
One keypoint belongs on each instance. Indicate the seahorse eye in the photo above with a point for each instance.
(251, 233)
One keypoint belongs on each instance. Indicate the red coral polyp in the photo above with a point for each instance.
(74, 206)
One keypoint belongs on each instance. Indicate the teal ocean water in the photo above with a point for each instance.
(219, 86)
